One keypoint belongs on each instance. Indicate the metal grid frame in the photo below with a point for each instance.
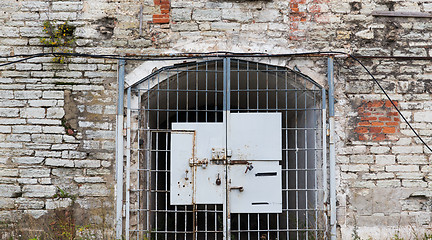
(201, 92)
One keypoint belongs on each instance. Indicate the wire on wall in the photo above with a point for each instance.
(184, 56)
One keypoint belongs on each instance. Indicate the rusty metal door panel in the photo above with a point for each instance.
(182, 179)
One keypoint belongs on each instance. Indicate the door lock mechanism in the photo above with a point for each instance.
(249, 168)
(218, 180)
(241, 189)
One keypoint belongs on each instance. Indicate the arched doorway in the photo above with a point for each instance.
(207, 92)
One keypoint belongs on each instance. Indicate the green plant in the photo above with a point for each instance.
(63, 194)
(60, 38)
(355, 235)
(68, 127)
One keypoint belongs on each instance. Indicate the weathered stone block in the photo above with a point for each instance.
(53, 94)
(412, 159)
(59, 162)
(206, 14)
(355, 168)
(27, 181)
(385, 159)
(7, 190)
(42, 103)
(181, 14)
(28, 94)
(27, 160)
(25, 203)
(58, 203)
(67, 6)
(46, 138)
(32, 113)
(9, 112)
(55, 113)
(6, 203)
(39, 191)
(93, 190)
(407, 149)
(5, 172)
(402, 168)
(34, 172)
(362, 158)
(89, 180)
(87, 163)
(178, 27)
(53, 129)
(26, 129)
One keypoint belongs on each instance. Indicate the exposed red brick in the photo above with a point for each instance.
(164, 9)
(389, 129)
(364, 123)
(361, 130)
(157, 19)
(385, 119)
(379, 137)
(377, 121)
(368, 118)
(389, 105)
(375, 129)
(375, 104)
(377, 124)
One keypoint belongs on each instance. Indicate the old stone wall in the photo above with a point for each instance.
(57, 120)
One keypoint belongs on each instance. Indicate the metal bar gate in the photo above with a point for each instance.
(199, 92)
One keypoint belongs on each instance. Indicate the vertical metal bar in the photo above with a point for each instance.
(247, 86)
(332, 150)
(119, 150)
(257, 87)
(238, 84)
(216, 89)
(267, 87)
(226, 106)
(315, 173)
(196, 93)
(156, 152)
(128, 159)
(167, 191)
(206, 92)
(296, 163)
(148, 163)
(138, 167)
(287, 172)
(305, 125)
(187, 96)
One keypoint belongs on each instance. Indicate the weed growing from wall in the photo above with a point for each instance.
(60, 38)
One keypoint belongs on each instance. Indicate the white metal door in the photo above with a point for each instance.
(237, 160)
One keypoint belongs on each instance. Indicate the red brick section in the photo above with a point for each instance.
(163, 16)
(296, 19)
(302, 12)
(378, 121)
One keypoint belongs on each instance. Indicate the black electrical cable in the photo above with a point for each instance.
(388, 97)
(184, 56)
